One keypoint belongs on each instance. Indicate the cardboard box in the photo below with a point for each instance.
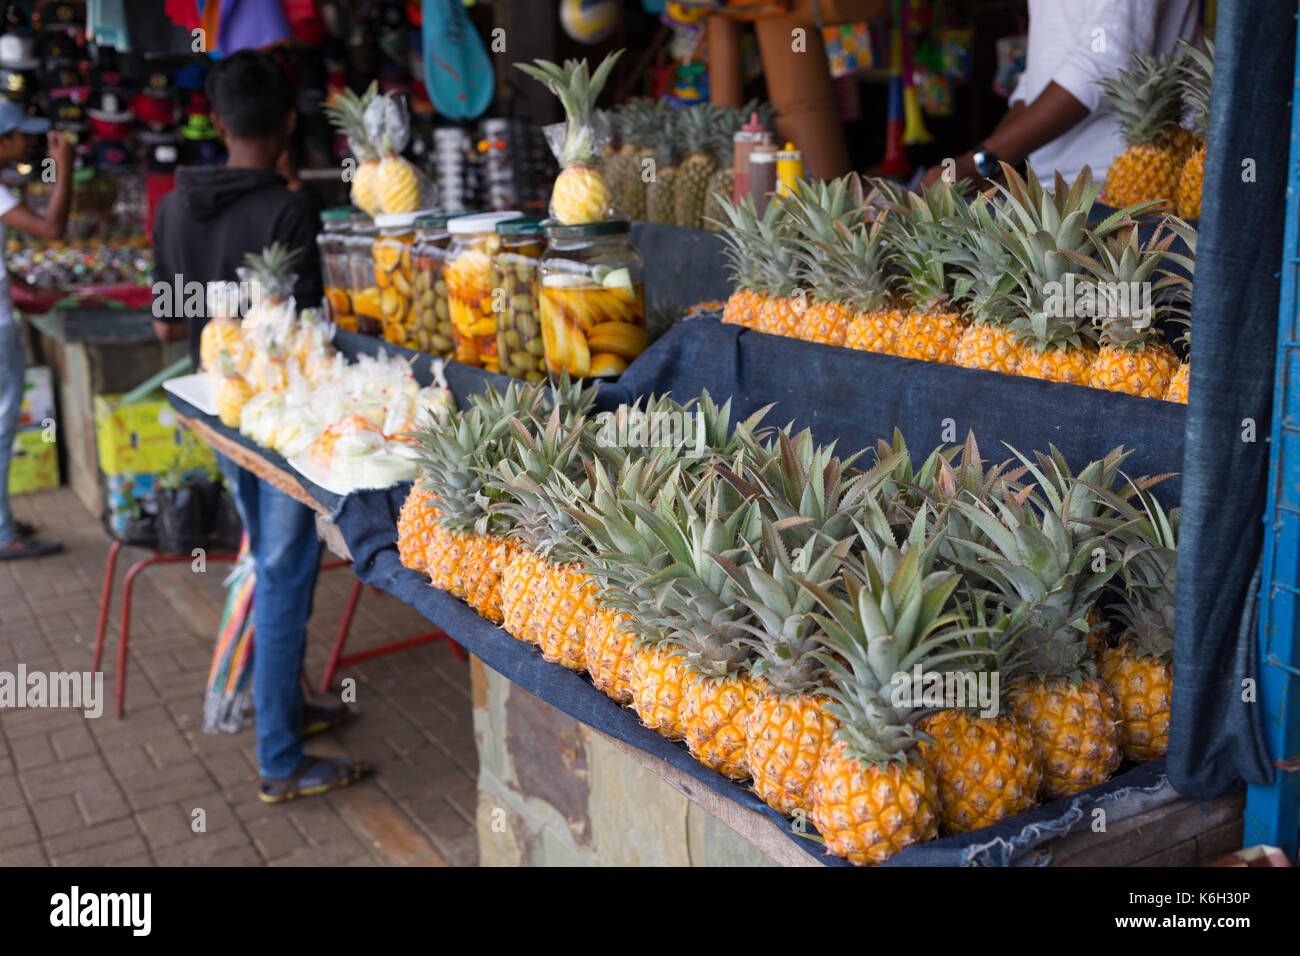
(38, 396)
(33, 462)
(144, 438)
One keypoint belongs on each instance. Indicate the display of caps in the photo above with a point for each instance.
(52, 15)
(111, 154)
(109, 108)
(153, 109)
(395, 220)
(14, 85)
(190, 79)
(163, 158)
(56, 49)
(18, 52)
(480, 222)
(198, 126)
(66, 113)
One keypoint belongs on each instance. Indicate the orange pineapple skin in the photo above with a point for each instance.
(444, 558)
(713, 713)
(826, 323)
(988, 347)
(1177, 390)
(784, 316)
(785, 737)
(608, 652)
(1191, 184)
(562, 614)
(520, 582)
(486, 557)
(741, 308)
(1071, 365)
(1143, 687)
(932, 336)
(1098, 633)
(1144, 372)
(987, 768)
(878, 331)
(219, 333)
(867, 814)
(657, 675)
(1075, 730)
(1145, 172)
(415, 527)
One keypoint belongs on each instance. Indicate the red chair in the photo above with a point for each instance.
(336, 659)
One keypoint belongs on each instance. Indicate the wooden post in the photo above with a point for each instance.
(726, 79)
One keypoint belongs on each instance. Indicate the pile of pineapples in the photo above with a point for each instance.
(980, 285)
(759, 600)
(671, 163)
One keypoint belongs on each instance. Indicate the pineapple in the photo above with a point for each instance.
(347, 113)
(874, 793)
(416, 527)
(396, 180)
(986, 764)
(1137, 670)
(1180, 285)
(988, 342)
(722, 184)
(702, 134)
(234, 393)
(660, 190)
(269, 280)
(1148, 100)
(1037, 552)
(1133, 358)
(1197, 78)
(916, 234)
(221, 334)
(760, 254)
(580, 194)
(621, 168)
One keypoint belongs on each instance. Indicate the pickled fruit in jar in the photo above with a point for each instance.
(589, 328)
(431, 313)
(340, 306)
(392, 266)
(469, 292)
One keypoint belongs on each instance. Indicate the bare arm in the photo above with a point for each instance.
(55, 220)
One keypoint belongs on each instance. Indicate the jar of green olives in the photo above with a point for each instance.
(432, 327)
(515, 273)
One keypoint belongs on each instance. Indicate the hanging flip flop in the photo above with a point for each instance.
(457, 71)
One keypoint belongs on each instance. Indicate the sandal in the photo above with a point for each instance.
(25, 529)
(315, 775)
(319, 718)
(22, 547)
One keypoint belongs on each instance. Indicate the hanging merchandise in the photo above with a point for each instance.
(1011, 53)
(914, 131)
(848, 48)
(184, 13)
(393, 44)
(581, 194)
(250, 25)
(589, 21)
(457, 71)
(895, 161)
(106, 24)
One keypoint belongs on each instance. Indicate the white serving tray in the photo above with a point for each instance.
(195, 389)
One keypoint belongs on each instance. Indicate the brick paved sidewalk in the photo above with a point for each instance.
(122, 792)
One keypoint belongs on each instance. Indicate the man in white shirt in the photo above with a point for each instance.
(19, 134)
(1057, 118)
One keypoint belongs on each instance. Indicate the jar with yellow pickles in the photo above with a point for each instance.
(516, 269)
(332, 243)
(362, 290)
(592, 299)
(393, 275)
(469, 287)
(429, 285)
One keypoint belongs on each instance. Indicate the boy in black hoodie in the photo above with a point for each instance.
(202, 231)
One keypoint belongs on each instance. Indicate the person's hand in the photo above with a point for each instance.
(963, 167)
(60, 148)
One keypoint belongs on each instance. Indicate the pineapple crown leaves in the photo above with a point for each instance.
(1147, 96)
(347, 113)
(1196, 79)
(783, 632)
(918, 229)
(1177, 275)
(1123, 267)
(269, 271)
(577, 89)
(974, 248)
(1148, 573)
(760, 248)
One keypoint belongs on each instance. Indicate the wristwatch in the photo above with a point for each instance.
(986, 161)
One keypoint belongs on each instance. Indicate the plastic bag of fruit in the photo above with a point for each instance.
(581, 193)
(399, 185)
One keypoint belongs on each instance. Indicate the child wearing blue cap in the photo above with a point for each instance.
(19, 136)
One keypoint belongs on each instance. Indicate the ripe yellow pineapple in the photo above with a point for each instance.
(221, 333)
(874, 794)
(989, 301)
(1148, 100)
(608, 653)
(714, 713)
(1133, 357)
(760, 256)
(581, 194)
(1179, 280)
(347, 112)
(1075, 724)
(415, 527)
(658, 671)
(234, 393)
(1138, 670)
(1197, 76)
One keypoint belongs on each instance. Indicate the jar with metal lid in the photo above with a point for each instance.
(429, 286)
(332, 242)
(592, 299)
(392, 253)
(515, 272)
(362, 290)
(469, 286)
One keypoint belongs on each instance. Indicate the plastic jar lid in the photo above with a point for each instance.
(587, 230)
(479, 222)
(436, 221)
(338, 214)
(520, 227)
(394, 220)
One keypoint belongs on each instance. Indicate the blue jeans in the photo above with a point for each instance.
(13, 359)
(286, 556)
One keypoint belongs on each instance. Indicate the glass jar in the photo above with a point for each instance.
(469, 287)
(332, 243)
(592, 299)
(392, 256)
(515, 271)
(429, 287)
(362, 290)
